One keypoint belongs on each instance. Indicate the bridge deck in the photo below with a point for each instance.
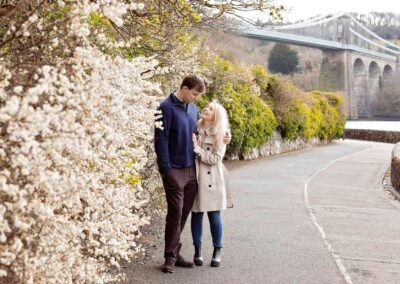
(311, 42)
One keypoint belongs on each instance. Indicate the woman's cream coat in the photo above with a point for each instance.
(212, 176)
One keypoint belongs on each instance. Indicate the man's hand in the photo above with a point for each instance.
(227, 138)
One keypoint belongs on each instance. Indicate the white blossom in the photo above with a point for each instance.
(115, 12)
(33, 18)
(61, 3)
(18, 89)
(55, 42)
(133, 6)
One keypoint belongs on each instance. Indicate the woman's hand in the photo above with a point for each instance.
(227, 138)
(194, 139)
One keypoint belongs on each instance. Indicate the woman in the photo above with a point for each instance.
(212, 196)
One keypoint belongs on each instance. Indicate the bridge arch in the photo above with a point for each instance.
(360, 83)
(373, 70)
(388, 72)
(374, 84)
(359, 68)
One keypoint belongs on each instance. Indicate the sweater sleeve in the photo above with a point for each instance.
(161, 140)
(210, 158)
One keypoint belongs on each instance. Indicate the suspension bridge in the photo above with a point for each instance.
(356, 61)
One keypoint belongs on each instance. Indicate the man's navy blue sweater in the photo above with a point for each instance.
(173, 144)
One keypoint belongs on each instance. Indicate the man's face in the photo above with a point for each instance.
(190, 96)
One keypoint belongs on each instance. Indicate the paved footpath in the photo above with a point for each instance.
(314, 216)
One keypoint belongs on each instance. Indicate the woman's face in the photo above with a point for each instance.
(208, 113)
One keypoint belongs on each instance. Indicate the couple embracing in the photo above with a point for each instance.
(193, 175)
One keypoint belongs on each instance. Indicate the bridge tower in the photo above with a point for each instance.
(348, 71)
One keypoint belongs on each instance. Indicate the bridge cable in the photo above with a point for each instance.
(310, 24)
(373, 43)
(373, 34)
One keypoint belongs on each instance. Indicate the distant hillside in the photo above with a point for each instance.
(386, 25)
(256, 52)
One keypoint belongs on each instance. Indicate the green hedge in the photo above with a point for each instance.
(258, 103)
(251, 119)
(301, 114)
(330, 105)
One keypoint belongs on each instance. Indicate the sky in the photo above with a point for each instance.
(304, 9)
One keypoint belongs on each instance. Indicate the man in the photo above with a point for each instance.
(175, 158)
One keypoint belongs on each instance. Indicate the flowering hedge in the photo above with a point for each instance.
(70, 172)
(76, 138)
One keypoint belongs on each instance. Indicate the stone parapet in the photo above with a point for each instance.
(395, 167)
(373, 135)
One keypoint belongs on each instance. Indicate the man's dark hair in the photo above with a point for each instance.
(193, 82)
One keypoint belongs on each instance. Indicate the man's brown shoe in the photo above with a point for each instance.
(169, 265)
(183, 263)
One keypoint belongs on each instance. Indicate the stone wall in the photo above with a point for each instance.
(395, 168)
(275, 146)
(373, 135)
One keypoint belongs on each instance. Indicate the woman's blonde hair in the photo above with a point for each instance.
(220, 125)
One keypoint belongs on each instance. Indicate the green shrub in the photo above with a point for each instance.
(287, 102)
(251, 119)
(261, 78)
(301, 114)
(333, 121)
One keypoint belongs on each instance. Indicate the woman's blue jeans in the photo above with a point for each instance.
(215, 225)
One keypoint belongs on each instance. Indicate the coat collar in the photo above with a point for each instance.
(209, 137)
(210, 131)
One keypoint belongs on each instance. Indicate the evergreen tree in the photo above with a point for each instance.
(282, 59)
